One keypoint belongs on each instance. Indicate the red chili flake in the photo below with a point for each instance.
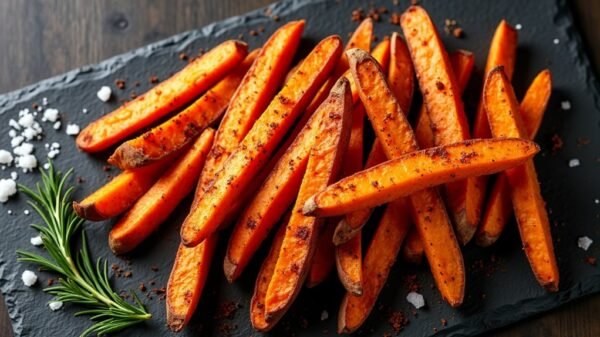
(457, 32)
(591, 260)
(557, 143)
(153, 79)
(444, 321)
(142, 287)
(119, 83)
(106, 168)
(397, 321)
(128, 274)
(358, 15)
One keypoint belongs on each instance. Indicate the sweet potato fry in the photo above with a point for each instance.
(257, 303)
(348, 261)
(162, 198)
(254, 94)
(361, 38)
(503, 52)
(163, 99)
(260, 142)
(412, 251)
(401, 74)
(187, 280)
(419, 170)
(119, 194)
(499, 207)
(324, 256)
(389, 235)
(442, 97)
(182, 128)
(427, 209)
(351, 224)
(323, 166)
(275, 195)
(505, 121)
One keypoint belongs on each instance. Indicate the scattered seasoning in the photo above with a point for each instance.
(153, 79)
(142, 287)
(395, 18)
(358, 15)
(119, 83)
(397, 321)
(557, 143)
(253, 32)
(591, 260)
(183, 56)
(444, 321)
(106, 168)
(452, 27)
(583, 141)
(226, 310)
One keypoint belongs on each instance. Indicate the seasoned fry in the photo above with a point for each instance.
(401, 74)
(442, 97)
(323, 166)
(503, 52)
(499, 207)
(324, 256)
(506, 121)
(163, 99)
(390, 234)
(182, 128)
(161, 199)
(257, 303)
(260, 142)
(396, 137)
(187, 280)
(419, 170)
(119, 194)
(412, 251)
(351, 224)
(275, 195)
(348, 261)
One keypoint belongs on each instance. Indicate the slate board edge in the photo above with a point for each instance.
(481, 323)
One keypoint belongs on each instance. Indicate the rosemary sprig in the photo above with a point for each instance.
(81, 281)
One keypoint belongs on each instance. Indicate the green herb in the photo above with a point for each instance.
(81, 281)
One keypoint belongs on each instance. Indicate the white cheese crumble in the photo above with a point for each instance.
(5, 157)
(565, 105)
(50, 115)
(584, 242)
(574, 162)
(104, 93)
(29, 278)
(55, 305)
(72, 129)
(8, 188)
(416, 299)
(36, 241)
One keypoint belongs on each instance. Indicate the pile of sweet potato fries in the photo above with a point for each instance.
(288, 150)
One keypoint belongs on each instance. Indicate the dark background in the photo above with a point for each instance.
(41, 39)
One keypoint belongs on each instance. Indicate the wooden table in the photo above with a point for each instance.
(46, 38)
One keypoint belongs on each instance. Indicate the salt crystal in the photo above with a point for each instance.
(565, 105)
(416, 299)
(55, 305)
(12, 133)
(324, 315)
(51, 115)
(72, 129)
(8, 188)
(518, 26)
(13, 124)
(84, 111)
(29, 278)
(46, 166)
(36, 241)
(55, 145)
(556, 41)
(597, 201)
(26, 212)
(5, 157)
(44, 101)
(14, 175)
(56, 126)
(584, 242)
(23, 149)
(26, 121)
(574, 162)
(9, 212)
(53, 153)
(27, 162)
(30, 133)
(16, 141)
(104, 93)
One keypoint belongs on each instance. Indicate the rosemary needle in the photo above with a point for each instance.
(81, 281)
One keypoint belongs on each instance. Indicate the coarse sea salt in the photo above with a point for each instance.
(55, 305)
(14, 175)
(8, 188)
(565, 105)
(29, 278)
(36, 241)
(584, 242)
(51, 115)
(104, 93)
(416, 299)
(72, 129)
(574, 162)
(23, 149)
(56, 125)
(6, 157)
(27, 162)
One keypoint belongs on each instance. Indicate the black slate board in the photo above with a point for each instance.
(509, 293)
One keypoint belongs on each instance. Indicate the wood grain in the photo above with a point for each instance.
(46, 38)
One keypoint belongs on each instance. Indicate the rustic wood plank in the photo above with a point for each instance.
(46, 38)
